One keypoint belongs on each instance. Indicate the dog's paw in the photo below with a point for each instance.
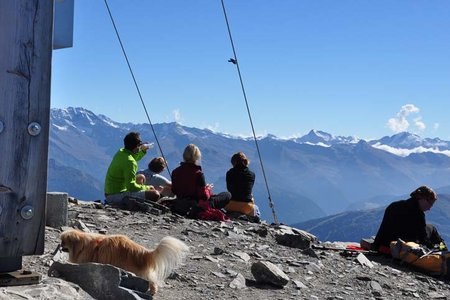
(153, 287)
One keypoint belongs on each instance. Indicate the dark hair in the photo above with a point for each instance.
(157, 164)
(239, 159)
(132, 140)
(424, 192)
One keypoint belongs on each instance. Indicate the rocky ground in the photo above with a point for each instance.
(221, 257)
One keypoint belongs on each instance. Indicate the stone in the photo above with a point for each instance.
(72, 200)
(313, 267)
(289, 270)
(283, 229)
(375, 286)
(242, 255)
(310, 252)
(237, 236)
(294, 240)
(218, 274)
(435, 295)
(267, 272)
(230, 272)
(210, 258)
(262, 247)
(81, 226)
(364, 261)
(299, 285)
(298, 263)
(49, 288)
(363, 278)
(102, 281)
(218, 251)
(238, 282)
(57, 213)
(262, 231)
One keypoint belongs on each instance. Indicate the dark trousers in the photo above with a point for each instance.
(433, 235)
(220, 200)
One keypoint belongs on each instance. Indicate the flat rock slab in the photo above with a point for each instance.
(294, 240)
(49, 288)
(267, 272)
(102, 281)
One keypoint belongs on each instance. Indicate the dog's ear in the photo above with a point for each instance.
(73, 241)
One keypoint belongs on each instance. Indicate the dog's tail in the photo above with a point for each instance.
(167, 256)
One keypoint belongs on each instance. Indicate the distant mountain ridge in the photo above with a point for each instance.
(315, 137)
(309, 177)
(408, 140)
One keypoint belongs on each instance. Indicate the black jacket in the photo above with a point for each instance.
(405, 220)
(240, 182)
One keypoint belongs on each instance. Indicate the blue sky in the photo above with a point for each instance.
(362, 68)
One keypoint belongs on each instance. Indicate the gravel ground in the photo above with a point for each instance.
(221, 251)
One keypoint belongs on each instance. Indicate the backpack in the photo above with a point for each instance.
(433, 262)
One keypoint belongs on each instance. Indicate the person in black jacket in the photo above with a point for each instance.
(240, 181)
(405, 219)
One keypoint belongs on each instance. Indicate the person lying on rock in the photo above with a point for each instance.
(405, 219)
(240, 180)
(120, 180)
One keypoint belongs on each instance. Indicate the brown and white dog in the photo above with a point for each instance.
(118, 250)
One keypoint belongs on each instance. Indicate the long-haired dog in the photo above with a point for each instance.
(118, 250)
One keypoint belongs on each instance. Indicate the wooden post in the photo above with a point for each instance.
(25, 68)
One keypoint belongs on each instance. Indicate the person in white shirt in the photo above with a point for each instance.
(153, 177)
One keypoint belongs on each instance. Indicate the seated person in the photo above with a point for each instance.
(154, 178)
(120, 180)
(189, 185)
(405, 219)
(240, 181)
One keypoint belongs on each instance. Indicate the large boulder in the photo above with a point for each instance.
(102, 281)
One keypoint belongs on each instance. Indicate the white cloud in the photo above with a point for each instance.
(436, 126)
(177, 115)
(320, 144)
(400, 122)
(406, 152)
(419, 124)
(408, 109)
(214, 128)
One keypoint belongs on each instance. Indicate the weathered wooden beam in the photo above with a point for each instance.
(25, 71)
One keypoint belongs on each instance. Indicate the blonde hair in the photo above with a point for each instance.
(191, 153)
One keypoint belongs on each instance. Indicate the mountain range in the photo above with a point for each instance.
(309, 177)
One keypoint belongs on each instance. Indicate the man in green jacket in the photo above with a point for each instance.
(120, 178)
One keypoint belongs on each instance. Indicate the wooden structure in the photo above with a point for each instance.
(63, 24)
(25, 67)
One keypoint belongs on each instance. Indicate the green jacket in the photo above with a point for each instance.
(121, 174)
